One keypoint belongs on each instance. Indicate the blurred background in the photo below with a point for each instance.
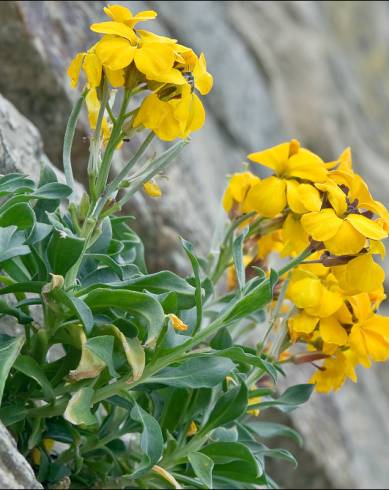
(316, 71)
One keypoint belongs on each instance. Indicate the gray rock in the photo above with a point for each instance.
(15, 472)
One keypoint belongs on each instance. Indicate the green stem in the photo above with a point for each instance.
(113, 142)
(68, 140)
(113, 186)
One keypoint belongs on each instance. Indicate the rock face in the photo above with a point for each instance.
(318, 71)
(15, 472)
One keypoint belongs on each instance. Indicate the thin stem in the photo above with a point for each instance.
(113, 142)
(296, 261)
(113, 186)
(68, 140)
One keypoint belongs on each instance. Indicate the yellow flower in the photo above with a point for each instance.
(177, 323)
(341, 236)
(236, 192)
(174, 118)
(152, 189)
(270, 196)
(91, 65)
(289, 160)
(334, 373)
(192, 429)
(360, 275)
(369, 336)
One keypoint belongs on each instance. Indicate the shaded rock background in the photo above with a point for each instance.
(318, 71)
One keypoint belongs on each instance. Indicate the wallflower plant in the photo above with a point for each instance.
(115, 377)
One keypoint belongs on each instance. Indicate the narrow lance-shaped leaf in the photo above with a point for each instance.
(237, 253)
(188, 247)
(12, 243)
(151, 440)
(9, 351)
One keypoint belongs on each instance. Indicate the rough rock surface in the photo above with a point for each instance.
(318, 71)
(15, 472)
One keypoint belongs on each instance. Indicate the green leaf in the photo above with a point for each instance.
(108, 261)
(237, 354)
(63, 251)
(188, 247)
(29, 367)
(253, 301)
(202, 466)
(68, 139)
(173, 412)
(78, 410)
(237, 253)
(102, 347)
(278, 453)
(12, 243)
(200, 372)
(229, 407)
(23, 287)
(9, 351)
(132, 349)
(158, 283)
(143, 307)
(233, 460)
(290, 399)
(151, 441)
(52, 190)
(76, 306)
(267, 430)
(5, 309)
(20, 215)
(15, 183)
(39, 233)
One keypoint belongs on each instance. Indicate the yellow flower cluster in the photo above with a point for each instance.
(333, 295)
(141, 60)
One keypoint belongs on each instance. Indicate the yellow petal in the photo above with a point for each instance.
(329, 303)
(306, 165)
(335, 195)
(377, 248)
(367, 227)
(305, 293)
(321, 225)
(196, 116)
(115, 52)
(74, 69)
(152, 189)
(275, 158)
(293, 197)
(378, 324)
(151, 37)
(173, 76)
(115, 29)
(228, 200)
(347, 241)
(118, 13)
(267, 197)
(177, 323)
(303, 323)
(302, 198)
(295, 237)
(363, 274)
(240, 183)
(203, 79)
(154, 59)
(115, 77)
(92, 67)
(332, 331)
